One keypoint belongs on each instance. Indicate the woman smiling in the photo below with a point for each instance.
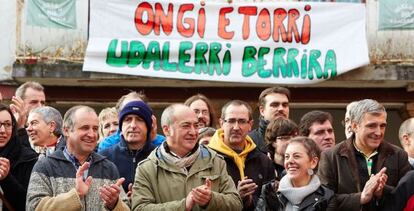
(300, 188)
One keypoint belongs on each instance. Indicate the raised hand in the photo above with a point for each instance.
(110, 193)
(82, 187)
(19, 111)
(246, 188)
(202, 194)
(382, 180)
(4, 167)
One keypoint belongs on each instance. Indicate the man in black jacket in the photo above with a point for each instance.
(273, 103)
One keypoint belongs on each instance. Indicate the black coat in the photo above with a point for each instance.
(22, 159)
(258, 167)
(320, 200)
(258, 135)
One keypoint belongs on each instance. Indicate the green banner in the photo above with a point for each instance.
(396, 14)
(52, 13)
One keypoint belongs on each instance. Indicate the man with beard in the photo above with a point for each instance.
(201, 105)
(364, 169)
(273, 103)
(181, 174)
(317, 125)
(248, 167)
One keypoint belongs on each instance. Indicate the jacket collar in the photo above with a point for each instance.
(347, 149)
(262, 125)
(95, 157)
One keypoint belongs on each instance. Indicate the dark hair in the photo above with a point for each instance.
(204, 132)
(202, 97)
(277, 90)
(311, 147)
(4, 107)
(279, 127)
(313, 116)
(236, 103)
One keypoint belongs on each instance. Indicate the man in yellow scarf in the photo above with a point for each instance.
(248, 167)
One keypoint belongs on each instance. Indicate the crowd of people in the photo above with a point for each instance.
(117, 161)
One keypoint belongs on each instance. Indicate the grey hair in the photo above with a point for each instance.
(350, 106)
(168, 117)
(50, 114)
(21, 90)
(68, 119)
(365, 106)
(405, 128)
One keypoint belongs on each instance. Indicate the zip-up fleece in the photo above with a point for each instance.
(52, 184)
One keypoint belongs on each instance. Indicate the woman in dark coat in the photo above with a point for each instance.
(16, 162)
(300, 189)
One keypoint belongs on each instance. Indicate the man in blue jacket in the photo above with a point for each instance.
(135, 125)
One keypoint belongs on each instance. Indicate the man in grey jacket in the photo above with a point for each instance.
(181, 174)
(76, 178)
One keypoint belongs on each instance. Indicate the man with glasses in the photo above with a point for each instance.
(317, 125)
(248, 167)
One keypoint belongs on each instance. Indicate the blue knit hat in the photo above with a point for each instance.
(138, 108)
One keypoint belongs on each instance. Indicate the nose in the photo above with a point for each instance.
(2, 128)
(113, 127)
(29, 128)
(236, 125)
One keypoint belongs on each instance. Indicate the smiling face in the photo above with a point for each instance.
(200, 108)
(276, 106)
(134, 131)
(38, 130)
(369, 133)
(297, 163)
(182, 134)
(83, 136)
(6, 128)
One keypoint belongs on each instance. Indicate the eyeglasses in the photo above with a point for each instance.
(233, 121)
(6, 125)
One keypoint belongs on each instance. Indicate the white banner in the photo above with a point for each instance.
(260, 42)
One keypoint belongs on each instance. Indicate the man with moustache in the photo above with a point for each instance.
(181, 174)
(75, 177)
(317, 125)
(248, 167)
(273, 103)
(201, 105)
(364, 169)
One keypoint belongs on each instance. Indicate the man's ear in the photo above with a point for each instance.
(166, 130)
(261, 110)
(65, 131)
(406, 140)
(354, 125)
(221, 122)
(52, 126)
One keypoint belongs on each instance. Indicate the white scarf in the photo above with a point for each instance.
(295, 195)
(181, 163)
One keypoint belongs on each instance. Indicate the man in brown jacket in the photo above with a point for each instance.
(363, 169)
